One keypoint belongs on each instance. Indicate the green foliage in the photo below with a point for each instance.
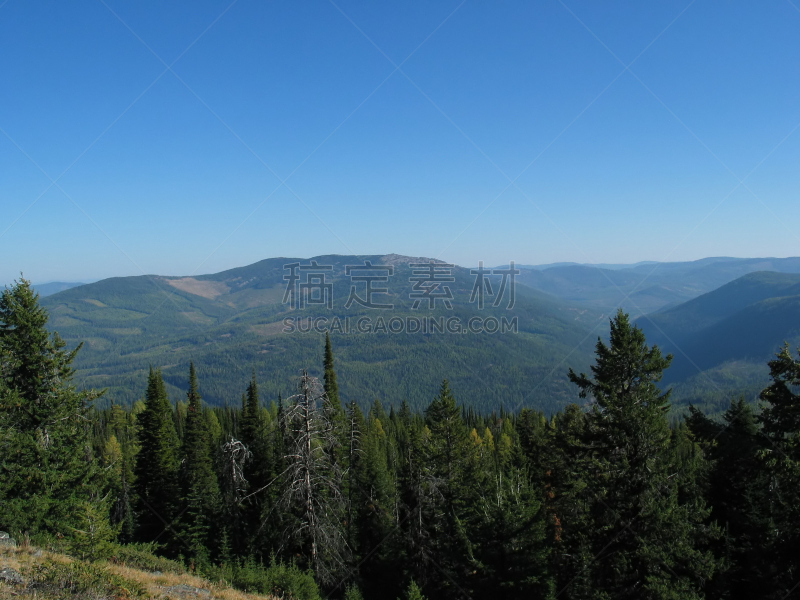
(413, 592)
(200, 488)
(82, 580)
(156, 471)
(145, 558)
(284, 580)
(47, 466)
(597, 502)
(330, 383)
(780, 458)
(93, 538)
(352, 592)
(634, 504)
(128, 326)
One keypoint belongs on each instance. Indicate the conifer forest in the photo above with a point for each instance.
(316, 495)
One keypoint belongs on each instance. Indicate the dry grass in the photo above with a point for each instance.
(25, 557)
(155, 584)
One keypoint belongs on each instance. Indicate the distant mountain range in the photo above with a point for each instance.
(646, 287)
(611, 266)
(53, 287)
(722, 318)
(722, 340)
(231, 323)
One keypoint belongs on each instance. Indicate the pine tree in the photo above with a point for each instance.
(118, 459)
(738, 491)
(258, 435)
(93, 538)
(333, 408)
(450, 455)
(564, 462)
(636, 507)
(157, 468)
(413, 592)
(780, 419)
(418, 498)
(199, 481)
(508, 525)
(372, 500)
(251, 413)
(48, 467)
(330, 384)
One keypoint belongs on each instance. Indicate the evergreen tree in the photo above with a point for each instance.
(565, 463)
(737, 489)
(508, 525)
(329, 377)
(413, 592)
(251, 413)
(199, 481)
(119, 454)
(335, 413)
(780, 419)
(93, 537)
(450, 455)
(372, 498)
(636, 508)
(157, 468)
(48, 470)
(416, 491)
(258, 434)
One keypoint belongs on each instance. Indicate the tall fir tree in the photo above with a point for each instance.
(158, 494)
(333, 408)
(329, 378)
(509, 550)
(48, 468)
(372, 497)
(200, 488)
(737, 488)
(636, 508)
(780, 419)
(450, 456)
(259, 470)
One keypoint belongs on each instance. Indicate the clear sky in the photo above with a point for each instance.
(189, 137)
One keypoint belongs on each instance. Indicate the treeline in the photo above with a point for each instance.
(606, 500)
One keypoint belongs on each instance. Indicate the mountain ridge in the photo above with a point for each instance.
(233, 321)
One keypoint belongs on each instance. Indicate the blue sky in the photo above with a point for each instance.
(469, 131)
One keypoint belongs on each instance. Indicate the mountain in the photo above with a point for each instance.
(53, 287)
(722, 340)
(232, 322)
(646, 288)
(610, 266)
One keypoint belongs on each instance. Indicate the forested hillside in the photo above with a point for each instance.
(722, 340)
(232, 322)
(648, 287)
(306, 495)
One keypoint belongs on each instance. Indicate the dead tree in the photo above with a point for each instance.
(234, 485)
(313, 483)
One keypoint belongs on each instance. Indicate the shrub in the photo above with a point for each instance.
(284, 580)
(144, 558)
(82, 580)
(353, 593)
(94, 537)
